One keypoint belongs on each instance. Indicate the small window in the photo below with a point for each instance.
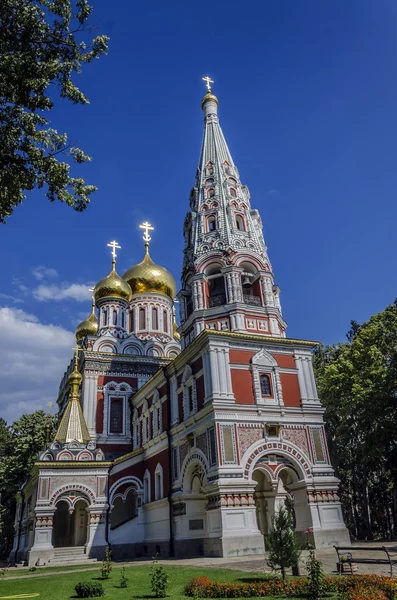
(210, 170)
(155, 324)
(211, 193)
(115, 317)
(158, 486)
(116, 415)
(240, 223)
(122, 319)
(209, 181)
(142, 318)
(232, 192)
(105, 317)
(266, 389)
(212, 223)
(165, 321)
(131, 320)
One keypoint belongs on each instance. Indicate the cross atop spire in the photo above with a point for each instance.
(114, 245)
(146, 236)
(208, 82)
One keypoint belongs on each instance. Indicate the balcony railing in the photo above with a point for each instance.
(251, 299)
(217, 300)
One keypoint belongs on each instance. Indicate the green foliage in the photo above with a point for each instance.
(107, 566)
(317, 586)
(357, 383)
(43, 43)
(124, 579)
(89, 589)
(158, 580)
(282, 546)
(24, 439)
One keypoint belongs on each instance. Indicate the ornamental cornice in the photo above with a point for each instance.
(86, 465)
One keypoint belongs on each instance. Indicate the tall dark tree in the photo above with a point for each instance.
(357, 383)
(43, 43)
(25, 438)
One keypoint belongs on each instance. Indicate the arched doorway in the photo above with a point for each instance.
(70, 524)
(279, 483)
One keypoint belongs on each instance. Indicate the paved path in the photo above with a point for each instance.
(248, 564)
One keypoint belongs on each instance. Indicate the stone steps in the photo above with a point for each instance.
(74, 555)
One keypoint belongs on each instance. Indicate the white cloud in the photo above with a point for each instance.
(33, 358)
(12, 298)
(73, 291)
(42, 272)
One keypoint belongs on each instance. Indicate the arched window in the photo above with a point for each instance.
(211, 193)
(165, 321)
(266, 389)
(232, 192)
(142, 318)
(158, 482)
(155, 324)
(209, 181)
(105, 318)
(240, 223)
(122, 319)
(131, 328)
(116, 415)
(210, 168)
(146, 487)
(211, 223)
(217, 292)
(115, 317)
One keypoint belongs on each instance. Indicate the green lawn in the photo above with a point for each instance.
(61, 587)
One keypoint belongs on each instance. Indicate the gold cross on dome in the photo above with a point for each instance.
(208, 82)
(114, 245)
(76, 350)
(146, 227)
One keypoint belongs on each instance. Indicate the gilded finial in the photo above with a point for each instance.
(114, 245)
(146, 237)
(208, 82)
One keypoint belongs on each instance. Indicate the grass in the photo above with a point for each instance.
(61, 587)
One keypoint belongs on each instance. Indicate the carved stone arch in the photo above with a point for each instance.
(137, 483)
(248, 258)
(132, 349)
(193, 459)
(72, 487)
(85, 455)
(263, 358)
(145, 406)
(107, 347)
(156, 397)
(287, 449)
(65, 455)
(187, 373)
(48, 456)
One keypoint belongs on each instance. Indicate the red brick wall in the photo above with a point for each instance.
(285, 361)
(200, 392)
(290, 387)
(99, 413)
(242, 386)
(241, 357)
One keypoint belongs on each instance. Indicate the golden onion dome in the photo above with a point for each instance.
(175, 334)
(87, 327)
(146, 276)
(208, 97)
(112, 286)
(75, 377)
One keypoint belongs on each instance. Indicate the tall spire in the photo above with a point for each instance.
(226, 267)
(73, 426)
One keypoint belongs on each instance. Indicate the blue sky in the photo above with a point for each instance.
(308, 98)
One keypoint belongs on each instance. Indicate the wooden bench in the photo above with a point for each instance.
(345, 555)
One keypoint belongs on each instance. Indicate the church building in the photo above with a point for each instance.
(184, 441)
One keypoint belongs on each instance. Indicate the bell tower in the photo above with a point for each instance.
(227, 277)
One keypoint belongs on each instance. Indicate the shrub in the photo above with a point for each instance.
(316, 585)
(123, 580)
(107, 564)
(31, 569)
(90, 589)
(281, 543)
(355, 587)
(158, 580)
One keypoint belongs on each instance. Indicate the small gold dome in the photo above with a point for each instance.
(112, 286)
(208, 97)
(87, 327)
(175, 333)
(75, 377)
(146, 276)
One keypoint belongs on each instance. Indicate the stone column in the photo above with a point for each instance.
(96, 538)
(42, 549)
(90, 401)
